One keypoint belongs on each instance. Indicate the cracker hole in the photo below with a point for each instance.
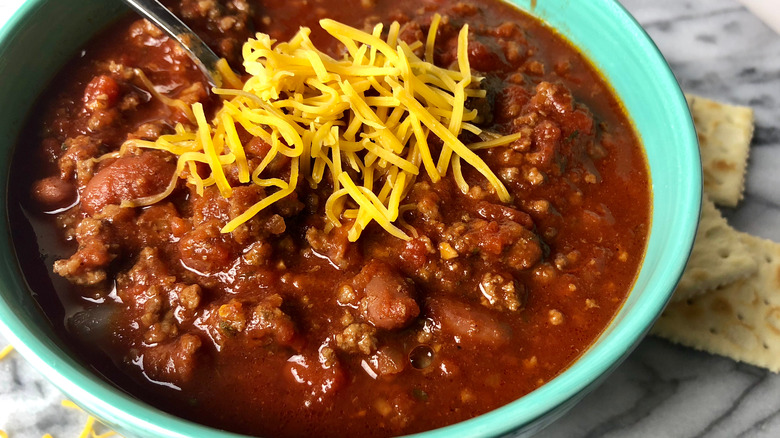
(713, 331)
(768, 259)
(724, 253)
(740, 317)
(766, 302)
(689, 301)
(766, 347)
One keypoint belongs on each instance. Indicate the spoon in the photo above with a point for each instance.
(205, 58)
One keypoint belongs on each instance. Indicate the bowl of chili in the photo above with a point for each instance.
(612, 46)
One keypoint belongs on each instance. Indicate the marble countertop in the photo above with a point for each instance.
(717, 49)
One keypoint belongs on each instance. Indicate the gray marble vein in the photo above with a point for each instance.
(717, 49)
(30, 406)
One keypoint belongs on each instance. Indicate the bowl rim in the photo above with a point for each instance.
(114, 406)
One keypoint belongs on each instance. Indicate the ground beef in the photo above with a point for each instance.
(87, 266)
(357, 338)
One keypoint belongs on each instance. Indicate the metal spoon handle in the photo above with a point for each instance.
(201, 54)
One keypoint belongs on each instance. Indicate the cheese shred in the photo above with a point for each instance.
(361, 123)
(6, 351)
(89, 427)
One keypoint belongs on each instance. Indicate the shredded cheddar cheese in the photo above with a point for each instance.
(89, 427)
(6, 351)
(363, 121)
(149, 86)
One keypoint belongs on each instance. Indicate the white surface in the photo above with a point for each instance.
(717, 49)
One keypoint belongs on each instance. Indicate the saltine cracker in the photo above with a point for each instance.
(740, 320)
(725, 132)
(718, 257)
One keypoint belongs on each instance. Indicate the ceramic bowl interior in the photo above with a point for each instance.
(44, 34)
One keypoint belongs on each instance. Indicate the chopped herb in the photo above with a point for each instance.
(228, 328)
(419, 394)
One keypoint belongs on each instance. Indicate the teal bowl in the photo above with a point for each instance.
(44, 34)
